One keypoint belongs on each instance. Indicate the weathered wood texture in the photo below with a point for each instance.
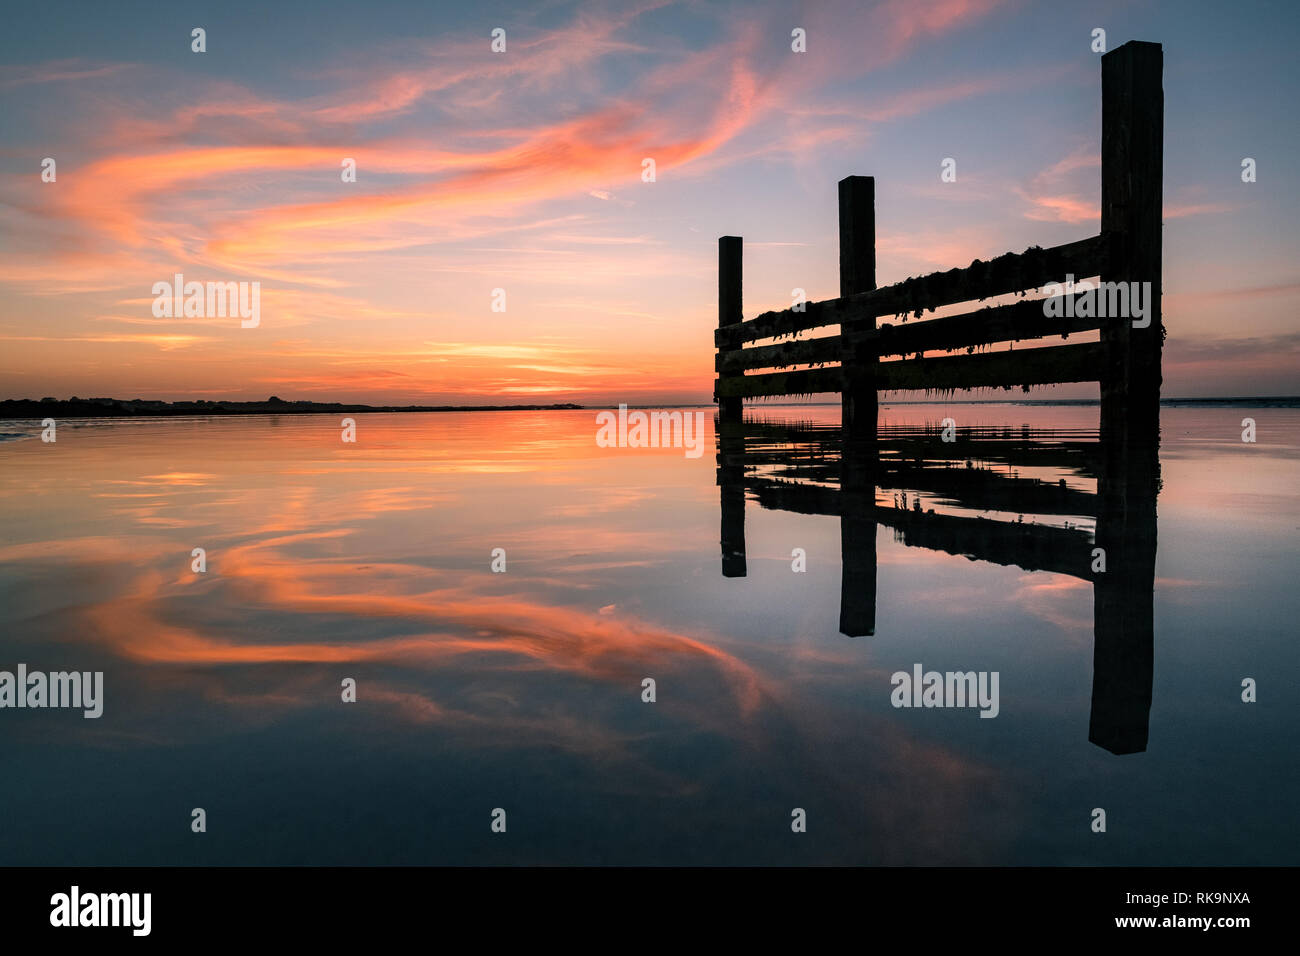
(730, 307)
(859, 407)
(1040, 366)
(1015, 322)
(1132, 160)
(1013, 272)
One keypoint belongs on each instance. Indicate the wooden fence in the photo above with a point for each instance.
(843, 479)
(1126, 360)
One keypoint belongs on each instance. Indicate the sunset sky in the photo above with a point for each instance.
(522, 171)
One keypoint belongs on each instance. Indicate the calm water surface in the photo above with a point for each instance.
(522, 690)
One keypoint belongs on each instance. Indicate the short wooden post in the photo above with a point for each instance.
(730, 283)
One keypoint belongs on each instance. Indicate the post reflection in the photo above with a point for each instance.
(963, 493)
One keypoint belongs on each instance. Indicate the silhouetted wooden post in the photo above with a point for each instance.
(859, 410)
(730, 251)
(731, 439)
(1132, 162)
(858, 274)
(1132, 159)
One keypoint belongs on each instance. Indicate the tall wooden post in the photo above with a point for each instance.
(858, 274)
(731, 438)
(1132, 161)
(730, 283)
(859, 411)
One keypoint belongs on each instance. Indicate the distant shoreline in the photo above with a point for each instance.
(140, 408)
(1260, 401)
(18, 409)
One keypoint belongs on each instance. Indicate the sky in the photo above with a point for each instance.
(522, 171)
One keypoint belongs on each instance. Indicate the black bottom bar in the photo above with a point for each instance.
(927, 905)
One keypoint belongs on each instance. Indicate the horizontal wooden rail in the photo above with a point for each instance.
(976, 489)
(1031, 547)
(1084, 458)
(780, 355)
(802, 382)
(1028, 546)
(1012, 272)
(1015, 322)
(1042, 366)
(981, 489)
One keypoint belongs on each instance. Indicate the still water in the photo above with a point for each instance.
(523, 691)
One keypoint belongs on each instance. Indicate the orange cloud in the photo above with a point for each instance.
(230, 182)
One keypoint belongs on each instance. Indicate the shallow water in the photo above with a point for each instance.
(522, 690)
